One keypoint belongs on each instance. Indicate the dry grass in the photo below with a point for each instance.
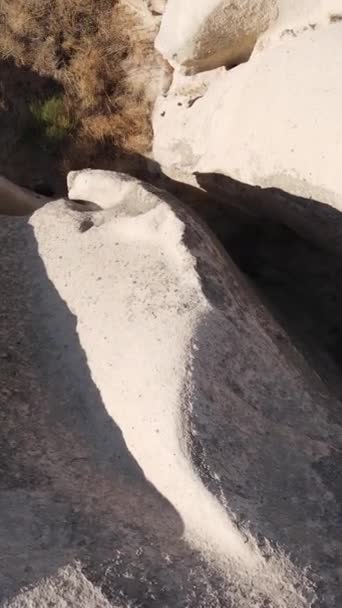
(94, 51)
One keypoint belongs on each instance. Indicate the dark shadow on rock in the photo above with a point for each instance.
(40, 163)
(26, 156)
(264, 432)
(309, 218)
(298, 274)
(291, 249)
(69, 487)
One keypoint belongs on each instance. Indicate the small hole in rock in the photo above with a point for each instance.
(86, 225)
(335, 18)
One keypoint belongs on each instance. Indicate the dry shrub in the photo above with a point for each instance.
(130, 127)
(101, 54)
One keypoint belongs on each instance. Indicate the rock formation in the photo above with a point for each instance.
(272, 122)
(163, 442)
(159, 428)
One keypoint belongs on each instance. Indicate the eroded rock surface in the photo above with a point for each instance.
(206, 34)
(158, 425)
(272, 123)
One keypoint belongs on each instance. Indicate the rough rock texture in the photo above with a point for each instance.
(157, 425)
(157, 6)
(273, 122)
(297, 16)
(153, 75)
(69, 587)
(18, 201)
(204, 34)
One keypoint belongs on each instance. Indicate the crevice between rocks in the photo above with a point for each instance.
(299, 278)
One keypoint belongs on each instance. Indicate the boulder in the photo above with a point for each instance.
(205, 34)
(273, 123)
(209, 33)
(158, 426)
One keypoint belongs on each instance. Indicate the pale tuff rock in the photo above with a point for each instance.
(272, 122)
(162, 441)
(157, 6)
(297, 16)
(204, 34)
(169, 427)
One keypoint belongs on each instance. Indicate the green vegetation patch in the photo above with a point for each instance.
(51, 118)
